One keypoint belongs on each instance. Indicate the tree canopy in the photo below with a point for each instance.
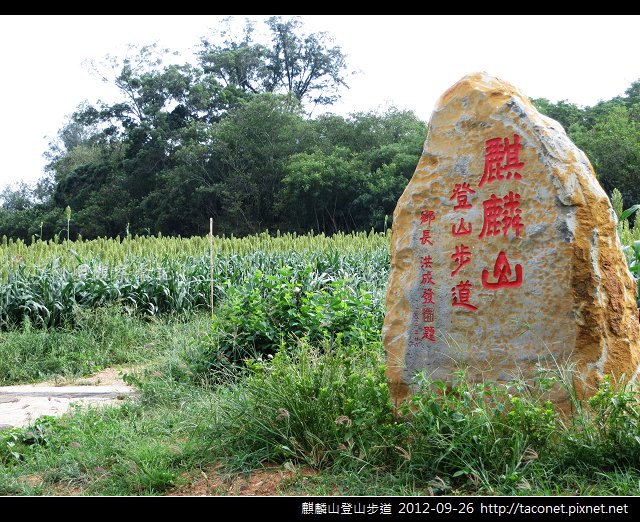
(232, 136)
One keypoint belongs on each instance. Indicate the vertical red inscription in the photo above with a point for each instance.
(461, 293)
(426, 264)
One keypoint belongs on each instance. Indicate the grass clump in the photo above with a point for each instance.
(479, 435)
(98, 339)
(321, 407)
(128, 450)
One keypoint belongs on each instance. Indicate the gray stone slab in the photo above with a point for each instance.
(21, 405)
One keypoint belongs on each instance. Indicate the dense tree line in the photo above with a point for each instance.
(233, 138)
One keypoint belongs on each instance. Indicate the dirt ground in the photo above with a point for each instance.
(267, 482)
(106, 377)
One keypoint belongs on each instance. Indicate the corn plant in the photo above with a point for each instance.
(46, 280)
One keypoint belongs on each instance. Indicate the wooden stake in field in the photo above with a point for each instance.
(211, 262)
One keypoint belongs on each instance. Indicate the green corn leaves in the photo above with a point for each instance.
(45, 281)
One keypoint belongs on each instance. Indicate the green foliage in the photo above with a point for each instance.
(612, 146)
(48, 297)
(326, 189)
(130, 449)
(632, 253)
(607, 433)
(609, 134)
(109, 451)
(303, 66)
(564, 112)
(271, 312)
(482, 434)
(329, 409)
(253, 144)
(629, 236)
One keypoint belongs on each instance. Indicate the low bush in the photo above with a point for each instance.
(271, 311)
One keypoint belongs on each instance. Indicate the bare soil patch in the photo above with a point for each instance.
(265, 482)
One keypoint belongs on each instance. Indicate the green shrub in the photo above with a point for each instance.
(606, 433)
(271, 311)
(629, 236)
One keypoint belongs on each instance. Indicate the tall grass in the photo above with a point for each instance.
(119, 251)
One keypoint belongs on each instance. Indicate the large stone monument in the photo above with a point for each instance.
(504, 252)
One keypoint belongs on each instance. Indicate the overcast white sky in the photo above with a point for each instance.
(405, 60)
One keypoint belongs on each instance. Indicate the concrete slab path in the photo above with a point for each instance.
(20, 405)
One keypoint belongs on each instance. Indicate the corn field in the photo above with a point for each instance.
(46, 281)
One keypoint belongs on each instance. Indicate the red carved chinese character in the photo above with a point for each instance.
(462, 256)
(495, 152)
(427, 216)
(512, 151)
(427, 296)
(501, 272)
(427, 279)
(429, 334)
(460, 193)
(506, 208)
(426, 262)
(461, 230)
(461, 293)
(492, 214)
(428, 315)
(511, 219)
(426, 237)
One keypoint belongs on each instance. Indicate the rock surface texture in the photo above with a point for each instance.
(504, 252)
